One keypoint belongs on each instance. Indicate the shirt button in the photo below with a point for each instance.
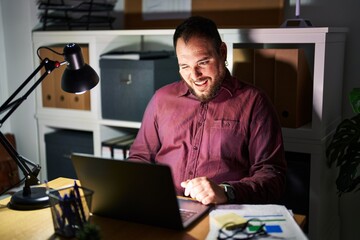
(195, 147)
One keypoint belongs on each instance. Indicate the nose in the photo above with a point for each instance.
(195, 72)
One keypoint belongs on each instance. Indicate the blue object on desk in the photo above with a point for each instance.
(273, 229)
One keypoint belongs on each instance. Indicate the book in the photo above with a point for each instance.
(121, 149)
(107, 145)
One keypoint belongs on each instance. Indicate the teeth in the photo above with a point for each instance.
(200, 82)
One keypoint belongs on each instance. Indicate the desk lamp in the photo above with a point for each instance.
(78, 77)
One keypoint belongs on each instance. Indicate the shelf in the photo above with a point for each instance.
(326, 59)
(326, 69)
(120, 124)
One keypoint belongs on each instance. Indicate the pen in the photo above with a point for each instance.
(54, 210)
(78, 197)
(74, 203)
(68, 213)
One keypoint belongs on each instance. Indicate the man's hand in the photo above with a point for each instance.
(204, 191)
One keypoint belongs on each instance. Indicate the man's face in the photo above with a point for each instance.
(201, 66)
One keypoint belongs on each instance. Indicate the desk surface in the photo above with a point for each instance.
(37, 224)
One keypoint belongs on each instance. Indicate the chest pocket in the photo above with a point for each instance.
(226, 140)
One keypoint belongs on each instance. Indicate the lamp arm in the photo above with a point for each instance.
(10, 105)
(22, 163)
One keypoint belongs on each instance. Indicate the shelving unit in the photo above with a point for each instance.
(328, 51)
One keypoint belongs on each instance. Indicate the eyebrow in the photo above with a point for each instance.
(201, 60)
(204, 59)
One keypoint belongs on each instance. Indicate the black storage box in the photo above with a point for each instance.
(59, 147)
(128, 85)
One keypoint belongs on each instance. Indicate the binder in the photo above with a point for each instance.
(108, 145)
(293, 88)
(121, 149)
(50, 83)
(243, 64)
(264, 70)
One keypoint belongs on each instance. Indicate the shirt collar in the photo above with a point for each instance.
(230, 83)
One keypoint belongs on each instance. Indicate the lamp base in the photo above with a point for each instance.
(296, 22)
(37, 199)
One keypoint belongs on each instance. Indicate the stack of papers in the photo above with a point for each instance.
(279, 222)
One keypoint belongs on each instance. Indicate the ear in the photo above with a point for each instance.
(223, 51)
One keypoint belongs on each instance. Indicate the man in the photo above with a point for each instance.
(221, 137)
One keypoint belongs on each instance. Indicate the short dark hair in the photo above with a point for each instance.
(200, 27)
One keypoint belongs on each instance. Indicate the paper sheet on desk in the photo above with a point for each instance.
(274, 216)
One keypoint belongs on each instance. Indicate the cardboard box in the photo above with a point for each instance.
(293, 88)
(128, 85)
(227, 14)
(243, 64)
(59, 147)
(284, 75)
(264, 66)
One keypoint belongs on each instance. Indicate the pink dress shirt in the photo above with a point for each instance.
(234, 138)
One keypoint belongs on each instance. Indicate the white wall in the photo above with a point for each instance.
(3, 76)
(18, 19)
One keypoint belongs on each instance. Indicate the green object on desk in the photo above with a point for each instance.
(355, 99)
(89, 232)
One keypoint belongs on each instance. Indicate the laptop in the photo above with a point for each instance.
(136, 192)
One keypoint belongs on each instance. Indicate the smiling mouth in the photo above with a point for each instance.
(201, 82)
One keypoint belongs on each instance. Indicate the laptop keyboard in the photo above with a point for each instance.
(186, 214)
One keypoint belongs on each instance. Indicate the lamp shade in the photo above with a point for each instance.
(78, 76)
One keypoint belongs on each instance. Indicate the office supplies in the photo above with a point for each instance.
(276, 220)
(134, 191)
(70, 209)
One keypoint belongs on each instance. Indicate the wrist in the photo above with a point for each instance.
(229, 192)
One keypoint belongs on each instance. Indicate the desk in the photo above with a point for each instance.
(37, 224)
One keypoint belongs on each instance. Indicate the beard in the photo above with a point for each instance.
(205, 97)
(213, 91)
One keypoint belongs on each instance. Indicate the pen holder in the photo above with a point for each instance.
(70, 209)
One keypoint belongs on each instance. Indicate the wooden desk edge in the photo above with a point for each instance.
(300, 220)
